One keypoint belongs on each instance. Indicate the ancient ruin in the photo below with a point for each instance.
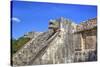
(64, 42)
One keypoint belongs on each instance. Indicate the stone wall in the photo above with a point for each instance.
(65, 45)
(30, 50)
(88, 33)
(59, 50)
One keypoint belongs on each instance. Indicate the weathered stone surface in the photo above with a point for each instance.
(32, 34)
(88, 24)
(59, 50)
(60, 44)
(29, 51)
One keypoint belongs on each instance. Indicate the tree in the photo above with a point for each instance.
(17, 44)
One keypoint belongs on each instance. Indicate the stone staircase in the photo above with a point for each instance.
(60, 45)
(31, 49)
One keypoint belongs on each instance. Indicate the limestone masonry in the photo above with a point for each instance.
(64, 42)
